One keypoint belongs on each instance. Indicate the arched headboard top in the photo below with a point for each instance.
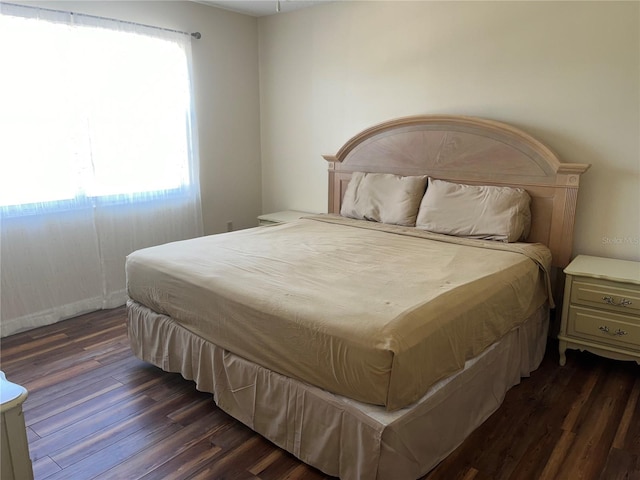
(474, 151)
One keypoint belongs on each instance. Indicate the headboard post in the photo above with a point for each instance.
(474, 151)
(331, 194)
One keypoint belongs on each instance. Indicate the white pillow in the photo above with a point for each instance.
(384, 197)
(483, 212)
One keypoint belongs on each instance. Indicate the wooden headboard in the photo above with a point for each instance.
(472, 151)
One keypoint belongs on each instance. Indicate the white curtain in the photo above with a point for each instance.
(98, 158)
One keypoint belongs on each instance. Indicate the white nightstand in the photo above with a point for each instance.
(601, 308)
(280, 217)
(15, 461)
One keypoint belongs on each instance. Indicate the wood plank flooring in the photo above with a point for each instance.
(95, 411)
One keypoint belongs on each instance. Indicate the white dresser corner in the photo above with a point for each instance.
(15, 462)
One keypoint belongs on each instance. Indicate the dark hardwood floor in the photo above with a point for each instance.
(95, 411)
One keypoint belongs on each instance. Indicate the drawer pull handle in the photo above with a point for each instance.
(623, 303)
(618, 333)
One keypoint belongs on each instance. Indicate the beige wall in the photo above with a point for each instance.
(225, 67)
(567, 72)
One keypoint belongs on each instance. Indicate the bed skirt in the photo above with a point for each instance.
(342, 437)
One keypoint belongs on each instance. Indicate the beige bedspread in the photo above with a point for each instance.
(374, 312)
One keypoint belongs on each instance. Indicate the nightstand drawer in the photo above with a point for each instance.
(604, 327)
(618, 297)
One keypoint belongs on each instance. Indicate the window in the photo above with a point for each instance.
(90, 113)
(97, 158)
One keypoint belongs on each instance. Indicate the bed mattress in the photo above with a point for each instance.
(374, 312)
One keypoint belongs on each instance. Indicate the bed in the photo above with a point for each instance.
(371, 341)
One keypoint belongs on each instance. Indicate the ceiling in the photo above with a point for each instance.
(261, 8)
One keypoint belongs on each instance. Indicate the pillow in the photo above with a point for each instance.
(384, 197)
(483, 212)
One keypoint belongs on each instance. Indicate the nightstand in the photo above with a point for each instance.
(15, 461)
(601, 308)
(280, 217)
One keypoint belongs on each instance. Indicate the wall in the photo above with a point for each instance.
(566, 72)
(225, 67)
